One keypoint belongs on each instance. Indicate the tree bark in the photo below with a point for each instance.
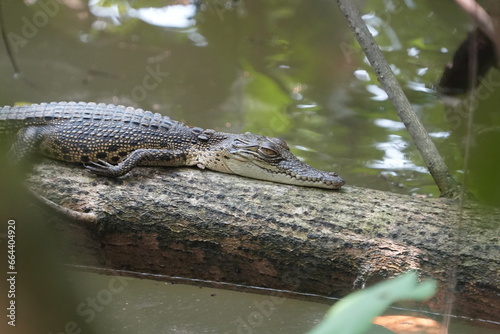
(213, 226)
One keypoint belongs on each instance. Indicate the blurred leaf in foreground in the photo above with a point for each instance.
(354, 314)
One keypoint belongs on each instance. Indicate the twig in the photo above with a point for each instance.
(6, 42)
(461, 234)
(435, 163)
(483, 21)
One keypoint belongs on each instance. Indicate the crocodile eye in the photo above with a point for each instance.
(280, 142)
(268, 152)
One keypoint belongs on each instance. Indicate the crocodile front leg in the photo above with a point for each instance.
(27, 142)
(140, 157)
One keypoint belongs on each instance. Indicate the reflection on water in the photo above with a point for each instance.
(291, 70)
(394, 157)
(378, 93)
(116, 304)
(375, 24)
(129, 305)
(173, 16)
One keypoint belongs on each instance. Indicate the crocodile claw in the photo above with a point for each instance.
(103, 168)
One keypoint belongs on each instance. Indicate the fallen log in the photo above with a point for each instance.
(213, 226)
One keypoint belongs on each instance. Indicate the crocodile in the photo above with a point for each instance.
(111, 140)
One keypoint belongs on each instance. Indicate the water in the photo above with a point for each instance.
(114, 304)
(292, 71)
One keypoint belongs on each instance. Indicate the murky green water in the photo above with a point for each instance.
(114, 304)
(289, 69)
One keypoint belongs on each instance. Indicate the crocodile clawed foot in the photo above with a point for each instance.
(103, 168)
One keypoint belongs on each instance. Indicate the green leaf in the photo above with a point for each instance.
(354, 314)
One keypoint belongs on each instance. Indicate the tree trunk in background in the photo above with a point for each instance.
(213, 226)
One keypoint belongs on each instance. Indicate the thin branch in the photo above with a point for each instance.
(461, 235)
(483, 21)
(17, 71)
(435, 163)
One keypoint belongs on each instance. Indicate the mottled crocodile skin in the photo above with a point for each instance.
(111, 140)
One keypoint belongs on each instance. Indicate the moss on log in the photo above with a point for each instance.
(213, 226)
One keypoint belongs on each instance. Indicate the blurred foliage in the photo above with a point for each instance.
(42, 292)
(354, 314)
(282, 68)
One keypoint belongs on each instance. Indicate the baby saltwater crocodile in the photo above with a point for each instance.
(111, 140)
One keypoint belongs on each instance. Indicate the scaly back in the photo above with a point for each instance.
(14, 118)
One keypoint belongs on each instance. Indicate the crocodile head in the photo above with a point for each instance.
(270, 159)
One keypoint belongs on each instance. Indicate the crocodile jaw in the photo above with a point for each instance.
(288, 172)
(263, 158)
